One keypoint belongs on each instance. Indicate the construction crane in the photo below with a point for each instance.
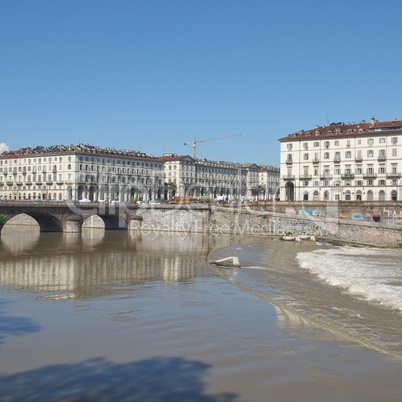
(195, 142)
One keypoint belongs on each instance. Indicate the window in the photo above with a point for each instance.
(394, 152)
(305, 145)
(290, 146)
(348, 154)
(336, 143)
(394, 140)
(370, 153)
(382, 140)
(305, 157)
(316, 144)
(326, 155)
(370, 141)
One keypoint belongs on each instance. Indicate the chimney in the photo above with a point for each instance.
(372, 121)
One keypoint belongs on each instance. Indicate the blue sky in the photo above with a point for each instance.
(150, 75)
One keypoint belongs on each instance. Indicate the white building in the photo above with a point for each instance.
(355, 161)
(269, 183)
(76, 172)
(189, 177)
(88, 172)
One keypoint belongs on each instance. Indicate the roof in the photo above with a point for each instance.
(84, 149)
(341, 129)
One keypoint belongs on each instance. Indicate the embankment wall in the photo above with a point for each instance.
(259, 222)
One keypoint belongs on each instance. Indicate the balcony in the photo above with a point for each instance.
(289, 177)
(306, 177)
(347, 176)
(393, 175)
(369, 175)
(359, 158)
(316, 160)
(326, 176)
(9, 182)
(289, 161)
(382, 158)
(337, 160)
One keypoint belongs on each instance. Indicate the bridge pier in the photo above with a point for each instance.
(72, 224)
(134, 222)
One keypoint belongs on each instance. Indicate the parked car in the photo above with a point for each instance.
(84, 200)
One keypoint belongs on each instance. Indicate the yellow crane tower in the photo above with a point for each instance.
(195, 142)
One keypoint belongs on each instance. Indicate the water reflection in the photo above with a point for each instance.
(78, 265)
(17, 240)
(92, 237)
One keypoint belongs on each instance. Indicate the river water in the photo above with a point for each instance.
(118, 316)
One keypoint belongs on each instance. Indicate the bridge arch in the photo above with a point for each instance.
(46, 222)
(114, 222)
(93, 222)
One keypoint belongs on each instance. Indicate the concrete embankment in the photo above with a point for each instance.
(262, 222)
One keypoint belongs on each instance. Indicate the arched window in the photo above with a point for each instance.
(326, 195)
(381, 195)
(347, 195)
(370, 195)
(394, 195)
(316, 196)
(359, 195)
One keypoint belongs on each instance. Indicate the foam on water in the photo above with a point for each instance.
(373, 274)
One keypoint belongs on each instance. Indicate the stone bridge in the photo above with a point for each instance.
(330, 221)
(53, 216)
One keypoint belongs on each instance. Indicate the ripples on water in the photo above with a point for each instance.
(351, 292)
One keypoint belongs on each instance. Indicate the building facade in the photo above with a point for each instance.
(83, 171)
(80, 172)
(354, 161)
